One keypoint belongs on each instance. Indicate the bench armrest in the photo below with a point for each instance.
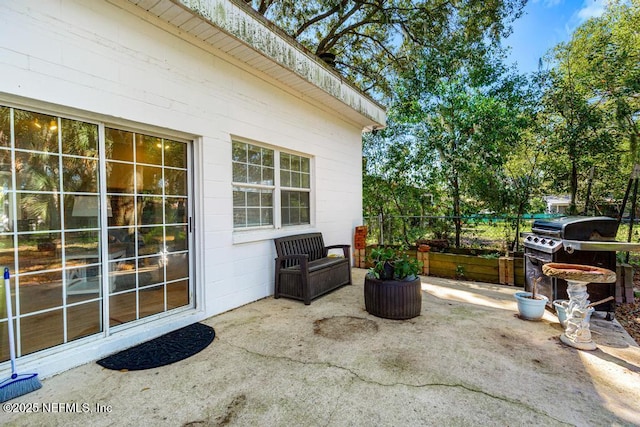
(345, 249)
(302, 259)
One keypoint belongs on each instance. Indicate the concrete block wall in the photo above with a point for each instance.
(97, 61)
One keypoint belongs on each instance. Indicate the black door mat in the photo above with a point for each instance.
(164, 350)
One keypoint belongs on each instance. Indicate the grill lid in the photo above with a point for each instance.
(577, 227)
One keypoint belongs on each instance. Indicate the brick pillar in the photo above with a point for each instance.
(624, 283)
(361, 258)
(423, 258)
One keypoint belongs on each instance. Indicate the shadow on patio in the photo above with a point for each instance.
(466, 360)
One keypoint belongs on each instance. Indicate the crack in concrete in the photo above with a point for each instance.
(396, 384)
(339, 399)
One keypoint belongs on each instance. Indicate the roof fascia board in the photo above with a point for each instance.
(270, 41)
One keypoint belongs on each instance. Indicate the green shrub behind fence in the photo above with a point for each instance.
(496, 232)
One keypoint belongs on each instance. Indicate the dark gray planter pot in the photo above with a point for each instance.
(393, 299)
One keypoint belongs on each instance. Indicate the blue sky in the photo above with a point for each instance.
(546, 23)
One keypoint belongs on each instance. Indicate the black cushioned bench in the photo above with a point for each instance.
(303, 269)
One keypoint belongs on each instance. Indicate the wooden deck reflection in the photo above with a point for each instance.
(84, 312)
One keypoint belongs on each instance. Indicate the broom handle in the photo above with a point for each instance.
(12, 344)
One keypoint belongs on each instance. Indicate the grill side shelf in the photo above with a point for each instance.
(593, 245)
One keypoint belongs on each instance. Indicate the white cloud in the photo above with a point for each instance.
(589, 9)
(592, 9)
(547, 3)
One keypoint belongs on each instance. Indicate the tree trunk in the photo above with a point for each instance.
(456, 208)
(573, 188)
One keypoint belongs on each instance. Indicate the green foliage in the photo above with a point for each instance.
(578, 134)
(475, 136)
(381, 258)
(389, 263)
(466, 133)
(441, 228)
(466, 123)
(392, 184)
(375, 41)
(405, 267)
(592, 106)
(490, 256)
(605, 52)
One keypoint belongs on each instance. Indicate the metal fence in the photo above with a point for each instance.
(495, 232)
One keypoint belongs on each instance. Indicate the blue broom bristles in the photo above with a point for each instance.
(18, 385)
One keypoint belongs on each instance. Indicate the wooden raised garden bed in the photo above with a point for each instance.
(500, 270)
(466, 267)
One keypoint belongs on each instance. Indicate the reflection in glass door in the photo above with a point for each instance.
(52, 200)
(148, 228)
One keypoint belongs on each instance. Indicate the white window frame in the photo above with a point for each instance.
(265, 232)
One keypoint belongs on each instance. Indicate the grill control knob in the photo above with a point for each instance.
(551, 242)
(535, 239)
(543, 241)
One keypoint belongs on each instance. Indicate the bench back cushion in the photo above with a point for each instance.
(311, 244)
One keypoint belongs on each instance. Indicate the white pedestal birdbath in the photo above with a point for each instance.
(577, 333)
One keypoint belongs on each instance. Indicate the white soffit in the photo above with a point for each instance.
(241, 33)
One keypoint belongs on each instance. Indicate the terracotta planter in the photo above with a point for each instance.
(393, 299)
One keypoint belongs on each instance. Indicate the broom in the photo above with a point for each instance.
(17, 384)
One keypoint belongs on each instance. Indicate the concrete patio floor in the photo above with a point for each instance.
(466, 360)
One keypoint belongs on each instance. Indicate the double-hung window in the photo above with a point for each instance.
(295, 177)
(271, 187)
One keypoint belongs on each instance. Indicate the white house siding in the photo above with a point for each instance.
(98, 61)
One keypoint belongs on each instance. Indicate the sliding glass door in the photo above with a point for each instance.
(147, 190)
(93, 227)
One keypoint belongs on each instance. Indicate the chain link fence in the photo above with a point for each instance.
(493, 232)
(477, 231)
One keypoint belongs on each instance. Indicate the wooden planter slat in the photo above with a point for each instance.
(482, 269)
(462, 259)
(472, 267)
(519, 271)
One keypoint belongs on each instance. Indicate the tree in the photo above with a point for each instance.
(522, 177)
(580, 134)
(606, 63)
(593, 104)
(466, 123)
(373, 40)
(393, 190)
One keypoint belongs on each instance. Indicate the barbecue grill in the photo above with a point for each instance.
(573, 240)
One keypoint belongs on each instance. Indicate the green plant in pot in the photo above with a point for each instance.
(389, 264)
(382, 259)
(392, 288)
